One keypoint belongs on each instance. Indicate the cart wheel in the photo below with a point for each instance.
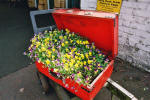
(44, 82)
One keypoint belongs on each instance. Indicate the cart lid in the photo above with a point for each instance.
(99, 27)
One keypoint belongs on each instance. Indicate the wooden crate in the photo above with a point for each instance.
(31, 3)
(45, 6)
(42, 1)
(59, 3)
(62, 3)
(42, 6)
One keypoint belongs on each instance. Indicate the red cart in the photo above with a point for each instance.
(100, 28)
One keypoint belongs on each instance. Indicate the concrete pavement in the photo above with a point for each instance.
(24, 84)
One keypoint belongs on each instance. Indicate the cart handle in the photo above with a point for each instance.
(34, 24)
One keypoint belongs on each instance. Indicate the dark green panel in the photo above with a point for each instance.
(74, 3)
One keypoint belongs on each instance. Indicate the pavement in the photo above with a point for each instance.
(24, 84)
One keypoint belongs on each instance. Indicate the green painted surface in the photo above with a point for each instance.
(15, 33)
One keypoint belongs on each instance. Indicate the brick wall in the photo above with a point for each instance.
(134, 31)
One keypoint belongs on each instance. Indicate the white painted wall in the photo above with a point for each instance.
(134, 31)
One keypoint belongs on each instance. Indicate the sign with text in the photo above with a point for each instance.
(111, 6)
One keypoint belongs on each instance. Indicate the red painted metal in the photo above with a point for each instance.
(78, 89)
(102, 31)
(98, 29)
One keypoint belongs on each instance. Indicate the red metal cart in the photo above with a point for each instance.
(100, 28)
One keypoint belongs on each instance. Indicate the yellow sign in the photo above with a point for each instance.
(112, 6)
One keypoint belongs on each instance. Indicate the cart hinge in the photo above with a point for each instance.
(114, 22)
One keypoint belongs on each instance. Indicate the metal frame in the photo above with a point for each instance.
(112, 86)
(35, 3)
(66, 3)
(119, 91)
(34, 24)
